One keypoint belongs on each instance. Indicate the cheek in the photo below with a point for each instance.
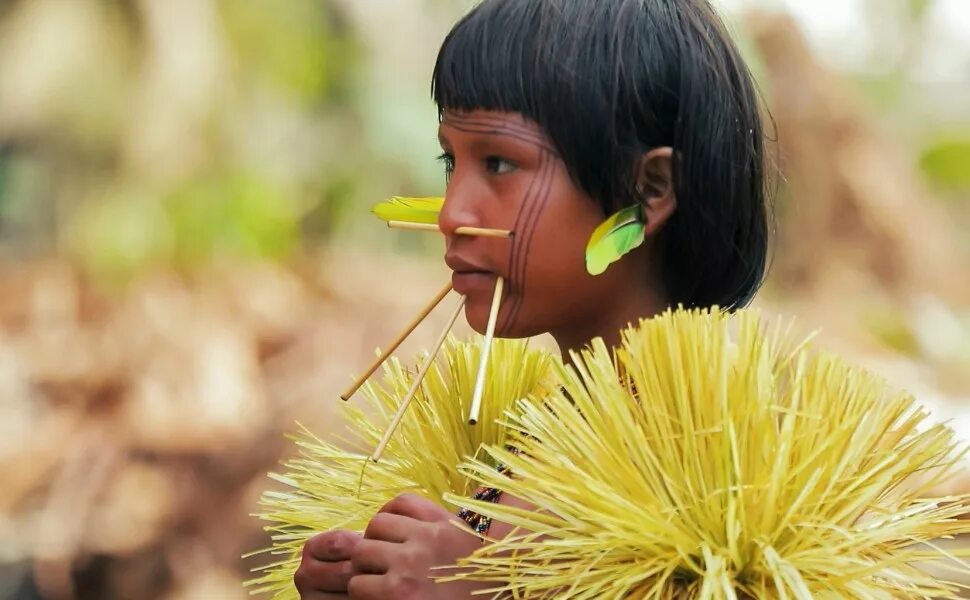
(556, 285)
(557, 258)
(557, 254)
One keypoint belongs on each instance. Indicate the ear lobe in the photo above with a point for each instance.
(655, 185)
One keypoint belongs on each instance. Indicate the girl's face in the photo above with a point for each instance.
(504, 173)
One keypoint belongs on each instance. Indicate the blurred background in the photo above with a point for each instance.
(188, 264)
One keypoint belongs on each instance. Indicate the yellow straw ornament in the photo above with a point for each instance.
(322, 489)
(476, 406)
(687, 464)
(421, 214)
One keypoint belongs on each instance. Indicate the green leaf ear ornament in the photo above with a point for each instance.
(614, 237)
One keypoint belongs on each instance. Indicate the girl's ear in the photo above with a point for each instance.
(655, 187)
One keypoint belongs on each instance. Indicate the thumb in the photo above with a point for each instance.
(417, 507)
(333, 546)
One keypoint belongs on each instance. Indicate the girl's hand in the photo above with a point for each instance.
(402, 543)
(325, 567)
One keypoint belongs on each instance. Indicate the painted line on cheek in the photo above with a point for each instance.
(526, 207)
(530, 216)
(535, 213)
(532, 213)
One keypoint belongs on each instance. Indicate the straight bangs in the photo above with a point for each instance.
(555, 64)
(489, 61)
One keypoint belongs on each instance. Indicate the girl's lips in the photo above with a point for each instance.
(468, 282)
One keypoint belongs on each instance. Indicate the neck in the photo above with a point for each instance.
(609, 324)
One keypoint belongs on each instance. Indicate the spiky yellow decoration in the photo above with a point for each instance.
(688, 465)
(326, 489)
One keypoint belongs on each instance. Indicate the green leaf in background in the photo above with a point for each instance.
(4, 176)
(919, 9)
(891, 327)
(118, 233)
(301, 46)
(330, 209)
(237, 214)
(946, 163)
(885, 92)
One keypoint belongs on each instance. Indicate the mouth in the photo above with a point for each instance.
(469, 278)
(467, 283)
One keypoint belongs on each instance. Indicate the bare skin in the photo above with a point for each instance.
(504, 173)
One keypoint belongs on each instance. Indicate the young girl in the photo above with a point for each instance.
(555, 114)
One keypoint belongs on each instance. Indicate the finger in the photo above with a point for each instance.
(389, 527)
(333, 545)
(313, 576)
(373, 557)
(372, 587)
(416, 507)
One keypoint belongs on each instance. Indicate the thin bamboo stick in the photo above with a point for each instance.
(406, 401)
(476, 231)
(486, 350)
(397, 342)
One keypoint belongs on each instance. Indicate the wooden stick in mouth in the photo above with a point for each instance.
(475, 231)
(486, 350)
(416, 383)
(396, 342)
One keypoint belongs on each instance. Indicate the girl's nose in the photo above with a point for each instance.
(457, 211)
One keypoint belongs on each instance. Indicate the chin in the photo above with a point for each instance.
(477, 318)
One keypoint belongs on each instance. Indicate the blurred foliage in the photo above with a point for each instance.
(303, 46)
(236, 212)
(173, 132)
(4, 176)
(167, 133)
(892, 328)
(918, 9)
(144, 133)
(947, 164)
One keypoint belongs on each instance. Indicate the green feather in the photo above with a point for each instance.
(614, 237)
(411, 210)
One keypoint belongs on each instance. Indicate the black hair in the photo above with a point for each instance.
(608, 80)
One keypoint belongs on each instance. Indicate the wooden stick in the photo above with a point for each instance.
(416, 383)
(397, 342)
(486, 349)
(478, 231)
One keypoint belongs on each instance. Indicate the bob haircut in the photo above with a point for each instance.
(608, 80)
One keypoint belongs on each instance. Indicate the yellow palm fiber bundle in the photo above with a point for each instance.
(325, 487)
(688, 465)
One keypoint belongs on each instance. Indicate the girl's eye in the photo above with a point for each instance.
(449, 163)
(498, 165)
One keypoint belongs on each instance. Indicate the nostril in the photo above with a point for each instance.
(454, 215)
